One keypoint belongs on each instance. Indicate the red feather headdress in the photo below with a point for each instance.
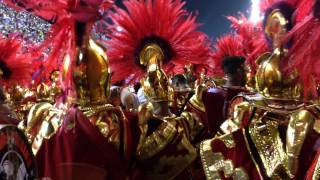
(252, 38)
(164, 22)
(63, 13)
(266, 4)
(305, 55)
(227, 45)
(15, 65)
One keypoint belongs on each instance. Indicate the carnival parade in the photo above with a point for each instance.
(136, 90)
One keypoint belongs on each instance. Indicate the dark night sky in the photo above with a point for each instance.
(212, 14)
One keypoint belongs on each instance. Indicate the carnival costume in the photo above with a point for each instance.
(148, 40)
(274, 133)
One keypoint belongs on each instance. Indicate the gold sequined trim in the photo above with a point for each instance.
(157, 141)
(213, 163)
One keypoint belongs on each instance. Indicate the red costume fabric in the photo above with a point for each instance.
(79, 151)
(243, 154)
(239, 154)
(164, 22)
(216, 101)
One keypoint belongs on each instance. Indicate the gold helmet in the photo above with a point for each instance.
(270, 78)
(275, 25)
(90, 74)
(155, 85)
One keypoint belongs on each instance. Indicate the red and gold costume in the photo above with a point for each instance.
(216, 99)
(16, 158)
(15, 73)
(149, 39)
(273, 134)
(79, 136)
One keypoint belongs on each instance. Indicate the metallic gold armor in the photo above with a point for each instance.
(91, 78)
(160, 147)
(277, 105)
(213, 163)
(21, 99)
(155, 86)
(91, 74)
(196, 99)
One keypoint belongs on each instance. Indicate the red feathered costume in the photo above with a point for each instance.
(16, 69)
(267, 142)
(305, 54)
(174, 30)
(76, 149)
(216, 100)
(161, 21)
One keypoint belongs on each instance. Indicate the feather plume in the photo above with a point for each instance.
(15, 65)
(304, 55)
(266, 4)
(154, 20)
(63, 14)
(227, 45)
(252, 37)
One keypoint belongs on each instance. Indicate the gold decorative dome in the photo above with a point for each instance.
(90, 73)
(271, 82)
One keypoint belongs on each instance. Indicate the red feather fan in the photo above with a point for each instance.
(64, 13)
(252, 37)
(265, 4)
(305, 55)
(15, 65)
(227, 45)
(160, 21)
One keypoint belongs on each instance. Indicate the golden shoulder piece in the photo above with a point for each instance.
(270, 80)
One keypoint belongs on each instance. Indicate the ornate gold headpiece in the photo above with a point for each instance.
(155, 85)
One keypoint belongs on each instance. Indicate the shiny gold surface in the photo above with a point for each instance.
(170, 135)
(155, 85)
(298, 127)
(271, 82)
(55, 87)
(264, 134)
(270, 79)
(37, 112)
(21, 99)
(213, 163)
(108, 119)
(157, 141)
(43, 122)
(196, 99)
(151, 54)
(239, 112)
(275, 24)
(189, 124)
(279, 158)
(43, 92)
(91, 74)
